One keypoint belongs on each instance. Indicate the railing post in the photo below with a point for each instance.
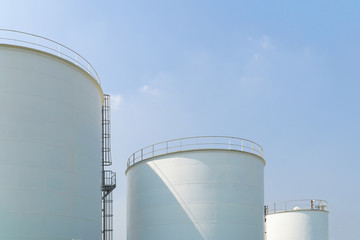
(274, 207)
(208, 142)
(285, 207)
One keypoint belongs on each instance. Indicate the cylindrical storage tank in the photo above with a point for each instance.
(50, 146)
(297, 220)
(196, 188)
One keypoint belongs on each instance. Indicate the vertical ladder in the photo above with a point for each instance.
(106, 141)
(108, 177)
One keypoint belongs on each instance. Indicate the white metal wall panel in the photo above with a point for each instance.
(298, 225)
(50, 148)
(196, 195)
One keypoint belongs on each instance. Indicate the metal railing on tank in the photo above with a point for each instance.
(18, 38)
(296, 205)
(195, 143)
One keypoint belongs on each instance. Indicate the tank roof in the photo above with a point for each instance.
(196, 143)
(32, 41)
(296, 205)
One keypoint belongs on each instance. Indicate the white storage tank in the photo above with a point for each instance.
(297, 220)
(196, 188)
(50, 141)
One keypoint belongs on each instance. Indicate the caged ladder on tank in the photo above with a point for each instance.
(108, 176)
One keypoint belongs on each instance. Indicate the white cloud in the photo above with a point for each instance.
(265, 42)
(149, 90)
(115, 101)
(256, 56)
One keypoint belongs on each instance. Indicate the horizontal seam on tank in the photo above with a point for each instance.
(54, 76)
(56, 124)
(45, 74)
(136, 195)
(58, 215)
(74, 129)
(52, 56)
(149, 188)
(49, 191)
(190, 223)
(53, 99)
(146, 189)
(50, 168)
(212, 183)
(49, 144)
(160, 205)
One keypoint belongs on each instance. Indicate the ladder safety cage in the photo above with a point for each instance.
(106, 130)
(108, 181)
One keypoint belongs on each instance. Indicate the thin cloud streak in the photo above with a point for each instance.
(149, 90)
(116, 101)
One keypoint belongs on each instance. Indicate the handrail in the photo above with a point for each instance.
(109, 178)
(195, 143)
(296, 205)
(19, 38)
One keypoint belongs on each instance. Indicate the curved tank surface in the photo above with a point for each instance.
(297, 220)
(196, 188)
(50, 147)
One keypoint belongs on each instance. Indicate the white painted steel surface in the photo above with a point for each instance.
(19, 38)
(50, 148)
(194, 143)
(211, 194)
(298, 225)
(303, 204)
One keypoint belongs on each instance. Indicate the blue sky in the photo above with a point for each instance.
(281, 73)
